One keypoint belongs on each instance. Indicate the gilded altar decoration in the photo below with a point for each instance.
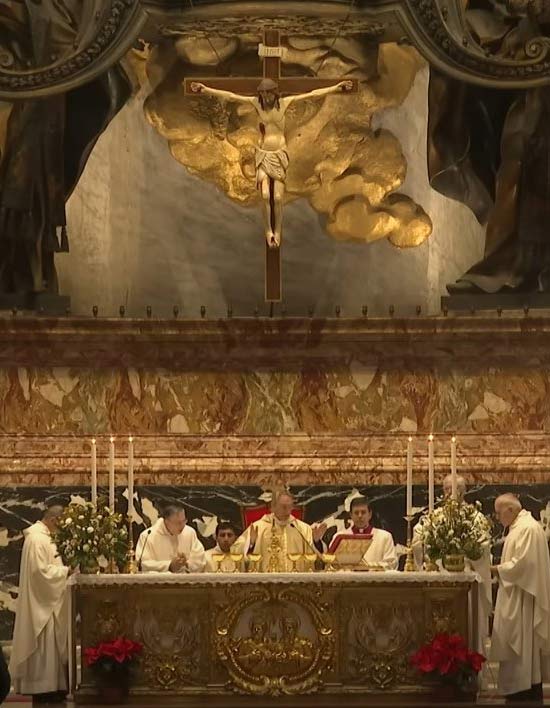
(275, 642)
(171, 645)
(382, 635)
(346, 170)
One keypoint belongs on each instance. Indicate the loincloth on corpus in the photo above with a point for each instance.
(274, 163)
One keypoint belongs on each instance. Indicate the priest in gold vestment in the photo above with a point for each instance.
(278, 534)
(520, 641)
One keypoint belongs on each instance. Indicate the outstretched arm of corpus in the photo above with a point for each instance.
(197, 87)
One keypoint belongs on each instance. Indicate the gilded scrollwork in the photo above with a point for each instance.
(275, 641)
(100, 31)
(172, 644)
(382, 636)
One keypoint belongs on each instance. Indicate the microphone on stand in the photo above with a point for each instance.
(149, 531)
(309, 545)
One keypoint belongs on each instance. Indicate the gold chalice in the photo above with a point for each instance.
(310, 559)
(218, 559)
(236, 558)
(328, 559)
(254, 559)
(294, 558)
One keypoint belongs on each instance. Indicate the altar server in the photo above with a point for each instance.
(278, 534)
(521, 630)
(170, 545)
(382, 549)
(226, 535)
(39, 649)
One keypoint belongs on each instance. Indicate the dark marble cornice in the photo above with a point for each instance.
(287, 343)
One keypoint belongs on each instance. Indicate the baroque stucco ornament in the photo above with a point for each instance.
(439, 29)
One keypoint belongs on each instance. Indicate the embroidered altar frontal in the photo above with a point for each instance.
(257, 639)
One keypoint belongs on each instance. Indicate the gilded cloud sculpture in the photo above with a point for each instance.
(349, 172)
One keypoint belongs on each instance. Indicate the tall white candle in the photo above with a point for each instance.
(454, 491)
(94, 472)
(431, 479)
(130, 477)
(409, 476)
(112, 474)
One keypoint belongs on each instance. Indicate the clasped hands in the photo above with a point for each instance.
(178, 564)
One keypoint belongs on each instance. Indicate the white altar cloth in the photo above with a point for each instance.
(388, 576)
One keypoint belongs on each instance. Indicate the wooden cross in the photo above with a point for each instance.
(271, 53)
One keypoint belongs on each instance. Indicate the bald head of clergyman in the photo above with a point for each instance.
(507, 507)
(448, 487)
(50, 517)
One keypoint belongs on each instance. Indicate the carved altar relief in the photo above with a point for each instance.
(172, 642)
(275, 641)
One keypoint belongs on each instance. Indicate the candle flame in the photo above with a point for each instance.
(453, 439)
(112, 439)
(93, 441)
(430, 437)
(130, 439)
(410, 439)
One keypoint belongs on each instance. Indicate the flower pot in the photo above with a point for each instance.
(113, 693)
(454, 563)
(90, 567)
(451, 693)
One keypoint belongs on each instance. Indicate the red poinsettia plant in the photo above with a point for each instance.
(113, 657)
(448, 658)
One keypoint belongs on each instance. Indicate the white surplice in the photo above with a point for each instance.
(521, 630)
(39, 649)
(381, 550)
(295, 536)
(157, 548)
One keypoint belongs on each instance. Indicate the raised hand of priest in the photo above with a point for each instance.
(253, 535)
(319, 531)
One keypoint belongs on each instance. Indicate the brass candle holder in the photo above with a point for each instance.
(131, 566)
(410, 565)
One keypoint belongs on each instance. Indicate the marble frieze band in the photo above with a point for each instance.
(62, 460)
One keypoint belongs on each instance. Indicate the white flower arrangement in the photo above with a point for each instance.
(455, 528)
(88, 537)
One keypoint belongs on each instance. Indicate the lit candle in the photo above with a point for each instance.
(409, 476)
(94, 473)
(112, 474)
(454, 492)
(130, 477)
(431, 481)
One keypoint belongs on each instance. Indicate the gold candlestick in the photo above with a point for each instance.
(410, 565)
(131, 565)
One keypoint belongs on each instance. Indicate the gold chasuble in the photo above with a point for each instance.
(276, 540)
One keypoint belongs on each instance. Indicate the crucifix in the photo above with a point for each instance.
(270, 95)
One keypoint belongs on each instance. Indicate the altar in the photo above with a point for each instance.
(265, 639)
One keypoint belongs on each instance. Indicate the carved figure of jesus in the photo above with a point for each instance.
(271, 155)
